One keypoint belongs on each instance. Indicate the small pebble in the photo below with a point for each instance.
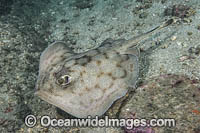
(165, 46)
(197, 52)
(173, 38)
(198, 27)
(194, 50)
(189, 33)
(184, 45)
(179, 43)
(183, 58)
(191, 50)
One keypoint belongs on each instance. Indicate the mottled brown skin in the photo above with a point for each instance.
(88, 83)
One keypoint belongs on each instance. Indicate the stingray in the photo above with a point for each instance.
(87, 84)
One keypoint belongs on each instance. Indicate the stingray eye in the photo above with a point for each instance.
(64, 80)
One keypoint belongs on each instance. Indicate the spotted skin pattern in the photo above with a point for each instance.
(88, 83)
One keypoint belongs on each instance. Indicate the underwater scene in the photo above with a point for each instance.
(100, 66)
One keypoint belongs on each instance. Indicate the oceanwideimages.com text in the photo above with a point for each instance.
(129, 123)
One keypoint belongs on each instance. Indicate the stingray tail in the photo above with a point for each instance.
(135, 40)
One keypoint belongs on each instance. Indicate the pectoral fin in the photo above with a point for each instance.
(54, 53)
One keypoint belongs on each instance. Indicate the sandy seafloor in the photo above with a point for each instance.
(28, 27)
